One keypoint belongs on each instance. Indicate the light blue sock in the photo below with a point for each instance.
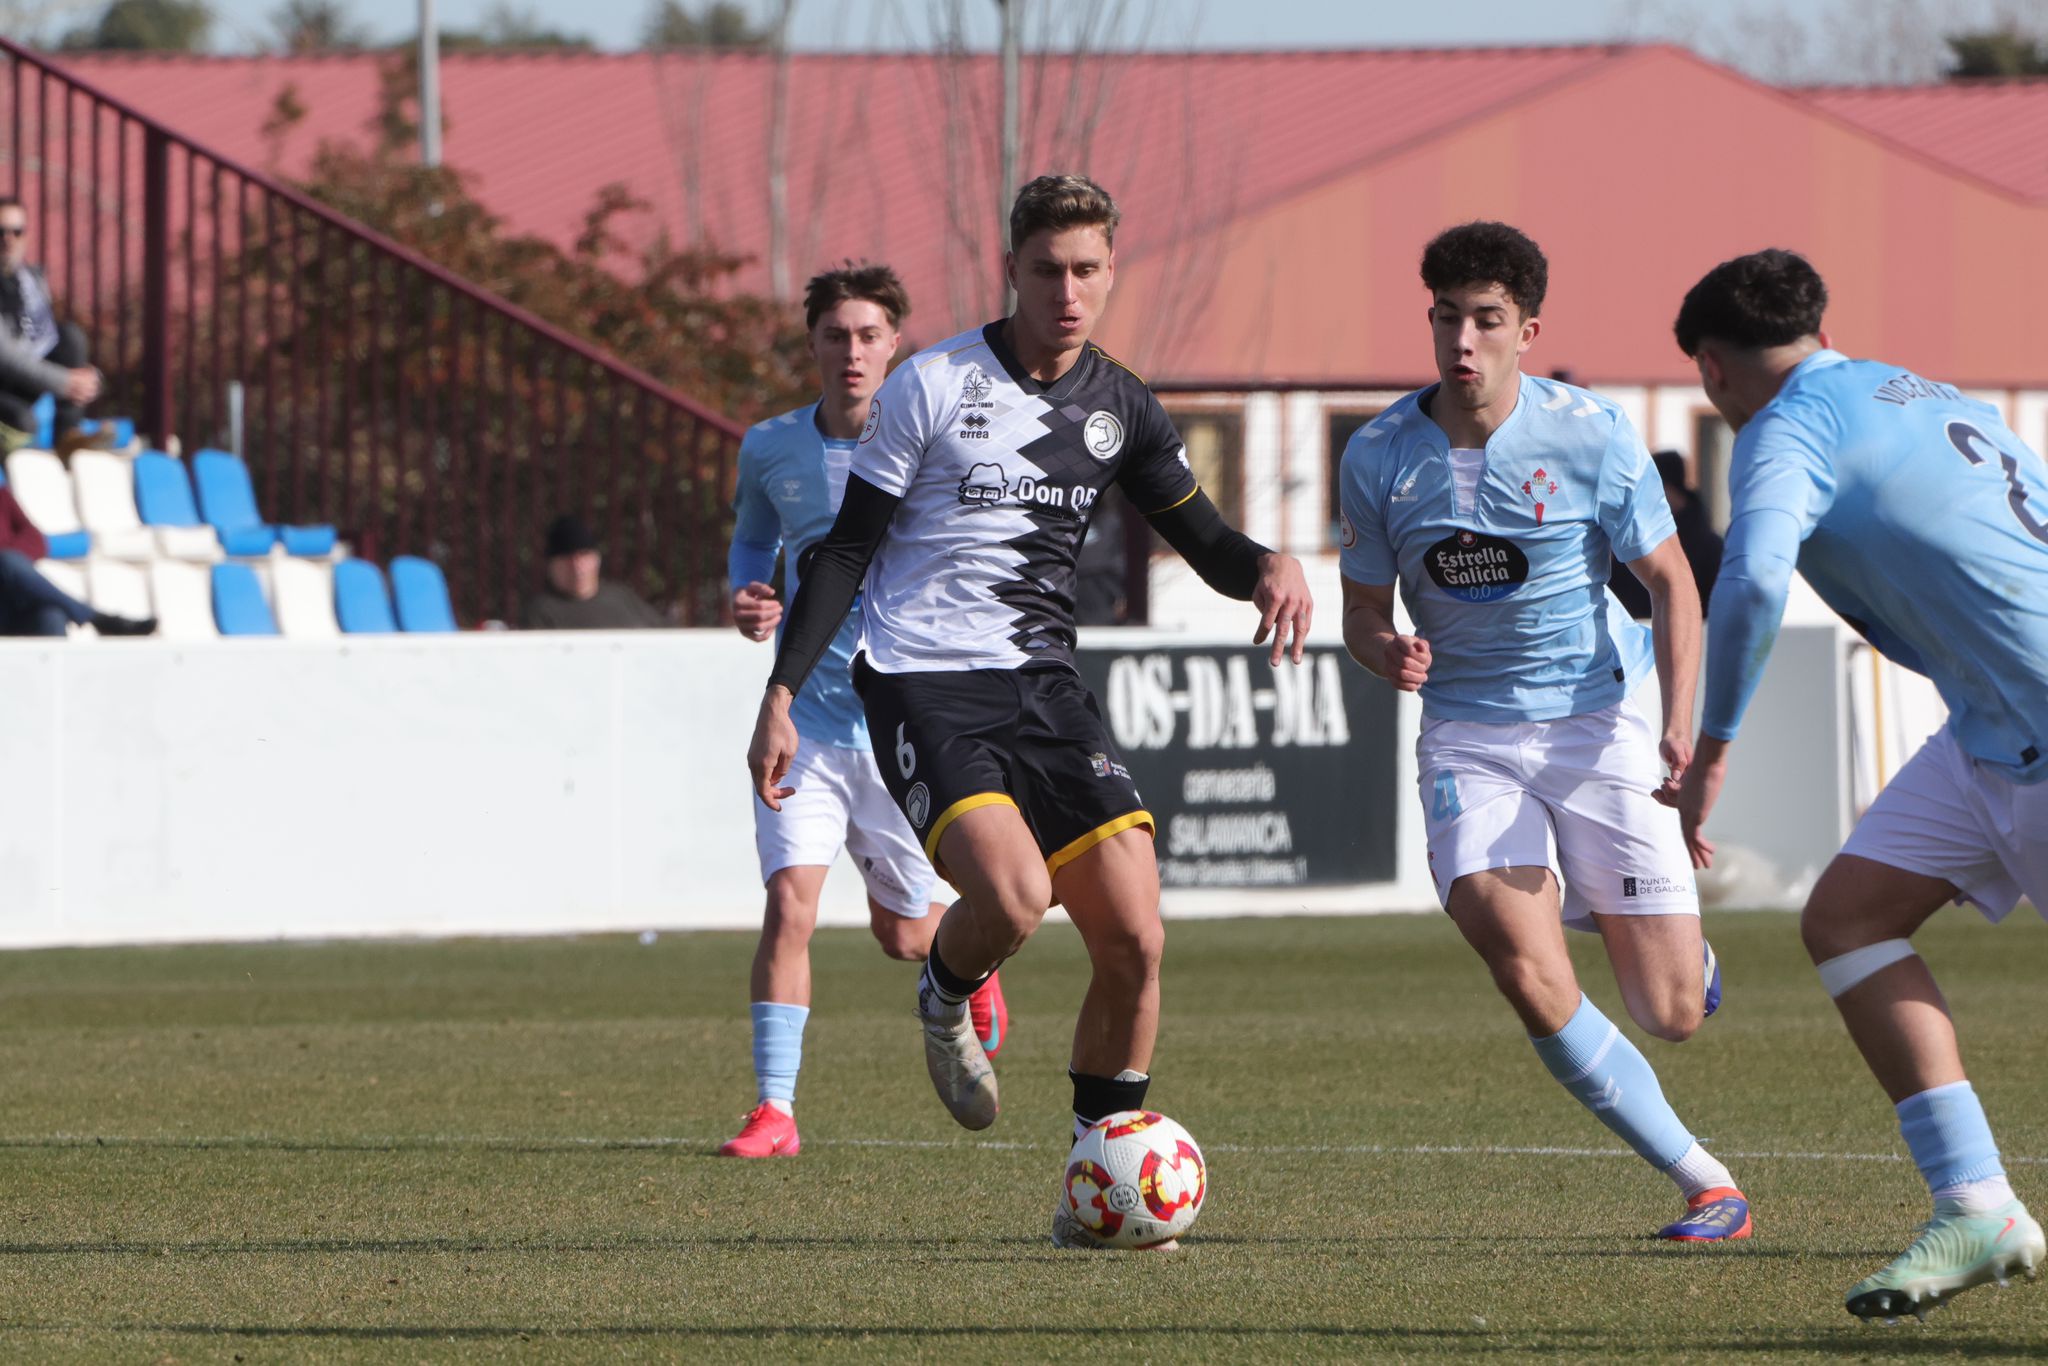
(1950, 1138)
(778, 1049)
(1611, 1077)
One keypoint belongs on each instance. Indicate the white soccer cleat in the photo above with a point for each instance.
(959, 1068)
(1951, 1253)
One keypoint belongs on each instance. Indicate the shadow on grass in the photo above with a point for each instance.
(680, 1147)
(1542, 1342)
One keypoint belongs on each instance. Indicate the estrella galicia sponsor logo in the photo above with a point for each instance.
(1474, 567)
(1103, 434)
(867, 433)
(917, 804)
(984, 486)
(1654, 886)
(974, 427)
(975, 389)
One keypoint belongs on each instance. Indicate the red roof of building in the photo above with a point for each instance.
(1275, 203)
(1996, 129)
(891, 157)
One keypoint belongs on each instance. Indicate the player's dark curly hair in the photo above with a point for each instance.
(1767, 298)
(876, 284)
(1487, 253)
(1057, 202)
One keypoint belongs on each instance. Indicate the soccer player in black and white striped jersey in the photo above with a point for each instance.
(965, 506)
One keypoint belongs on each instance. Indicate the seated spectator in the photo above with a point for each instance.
(577, 598)
(38, 354)
(1696, 537)
(30, 605)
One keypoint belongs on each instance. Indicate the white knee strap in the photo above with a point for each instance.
(1844, 971)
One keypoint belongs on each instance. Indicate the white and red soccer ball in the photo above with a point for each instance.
(1135, 1179)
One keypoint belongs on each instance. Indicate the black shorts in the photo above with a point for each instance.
(1030, 738)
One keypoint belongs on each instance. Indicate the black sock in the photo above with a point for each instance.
(948, 985)
(1095, 1097)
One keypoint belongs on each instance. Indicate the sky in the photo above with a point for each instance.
(901, 23)
(1812, 41)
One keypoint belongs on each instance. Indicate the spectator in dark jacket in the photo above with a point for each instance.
(577, 597)
(30, 605)
(1696, 537)
(38, 354)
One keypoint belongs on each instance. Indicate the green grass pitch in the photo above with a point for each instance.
(484, 1151)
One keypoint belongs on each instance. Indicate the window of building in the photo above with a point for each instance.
(1712, 445)
(1342, 423)
(1215, 446)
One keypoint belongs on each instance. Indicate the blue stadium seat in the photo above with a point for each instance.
(227, 499)
(238, 605)
(361, 602)
(163, 499)
(163, 495)
(122, 427)
(45, 410)
(420, 591)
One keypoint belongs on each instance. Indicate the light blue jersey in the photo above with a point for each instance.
(1509, 583)
(1916, 514)
(791, 478)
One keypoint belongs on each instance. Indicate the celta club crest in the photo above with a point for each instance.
(1539, 486)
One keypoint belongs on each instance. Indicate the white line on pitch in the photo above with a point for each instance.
(377, 1142)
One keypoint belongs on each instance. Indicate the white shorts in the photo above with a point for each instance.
(1945, 815)
(1571, 795)
(840, 802)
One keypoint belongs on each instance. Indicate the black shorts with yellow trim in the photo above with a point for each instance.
(1031, 738)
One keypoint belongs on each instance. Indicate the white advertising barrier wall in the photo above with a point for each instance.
(529, 784)
(395, 786)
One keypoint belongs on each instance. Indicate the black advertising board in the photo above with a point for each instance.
(1258, 777)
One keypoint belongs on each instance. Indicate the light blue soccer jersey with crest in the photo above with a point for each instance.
(791, 480)
(1510, 591)
(1920, 517)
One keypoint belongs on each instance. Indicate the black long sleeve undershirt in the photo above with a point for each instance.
(830, 579)
(1225, 558)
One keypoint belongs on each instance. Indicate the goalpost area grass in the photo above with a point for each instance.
(502, 1150)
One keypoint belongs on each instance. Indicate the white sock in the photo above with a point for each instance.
(786, 1107)
(1698, 1170)
(1975, 1197)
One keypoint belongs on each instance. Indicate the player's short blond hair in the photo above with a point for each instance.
(1054, 203)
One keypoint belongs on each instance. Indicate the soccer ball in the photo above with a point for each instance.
(1135, 1179)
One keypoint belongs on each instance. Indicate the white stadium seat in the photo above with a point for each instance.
(119, 589)
(67, 576)
(42, 486)
(105, 485)
(302, 598)
(184, 600)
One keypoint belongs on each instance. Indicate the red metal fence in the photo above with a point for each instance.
(377, 390)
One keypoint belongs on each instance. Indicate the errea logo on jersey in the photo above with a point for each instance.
(1102, 434)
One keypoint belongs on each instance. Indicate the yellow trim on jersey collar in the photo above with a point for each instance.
(1076, 848)
(1119, 365)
